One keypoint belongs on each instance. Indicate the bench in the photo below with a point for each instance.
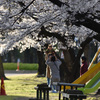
(42, 89)
(72, 93)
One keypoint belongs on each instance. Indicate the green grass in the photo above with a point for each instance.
(7, 98)
(23, 86)
(22, 66)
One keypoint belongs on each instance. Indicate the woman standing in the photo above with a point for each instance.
(48, 51)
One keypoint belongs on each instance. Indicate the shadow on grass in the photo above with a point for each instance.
(5, 78)
(14, 98)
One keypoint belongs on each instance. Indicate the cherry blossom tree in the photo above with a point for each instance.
(33, 23)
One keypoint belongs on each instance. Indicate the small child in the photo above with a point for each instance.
(84, 66)
(50, 50)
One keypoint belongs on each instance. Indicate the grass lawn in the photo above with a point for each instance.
(22, 66)
(23, 86)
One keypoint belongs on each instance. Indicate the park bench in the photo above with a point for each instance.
(73, 93)
(42, 91)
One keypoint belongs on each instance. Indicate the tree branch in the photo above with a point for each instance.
(97, 37)
(83, 44)
(22, 11)
(58, 36)
(87, 22)
(57, 2)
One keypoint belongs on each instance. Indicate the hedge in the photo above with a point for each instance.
(22, 66)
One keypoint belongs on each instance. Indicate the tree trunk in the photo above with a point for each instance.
(65, 75)
(41, 62)
(86, 53)
(76, 69)
(12, 56)
(71, 69)
(64, 72)
(1, 69)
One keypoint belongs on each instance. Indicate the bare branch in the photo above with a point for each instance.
(22, 11)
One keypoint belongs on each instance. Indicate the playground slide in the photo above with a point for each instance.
(92, 85)
(87, 75)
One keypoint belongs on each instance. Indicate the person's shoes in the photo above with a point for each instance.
(54, 91)
(50, 91)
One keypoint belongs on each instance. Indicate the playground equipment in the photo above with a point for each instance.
(95, 56)
(88, 75)
(92, 71)
(92, 85)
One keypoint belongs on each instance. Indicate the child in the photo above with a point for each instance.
(84, 66)
(49, 50)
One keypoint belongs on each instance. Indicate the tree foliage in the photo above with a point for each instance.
(33, 23)
(21, 22)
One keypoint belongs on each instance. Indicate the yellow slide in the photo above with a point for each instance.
(92, 71)
(87, 76)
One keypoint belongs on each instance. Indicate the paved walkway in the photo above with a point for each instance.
(20, 72)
